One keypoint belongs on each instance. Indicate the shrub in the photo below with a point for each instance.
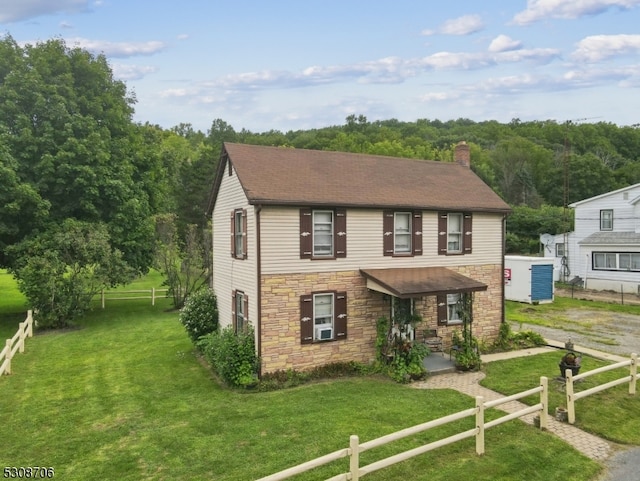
(199, 316)
(232, 356)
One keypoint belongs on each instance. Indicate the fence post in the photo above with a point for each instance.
(102, 297)
(354, 460)
(153, 296)
(30, 323)
(571, 406)
(22, 334)
(634, 373)
(8, 356)
(544, 400)
(480, 425)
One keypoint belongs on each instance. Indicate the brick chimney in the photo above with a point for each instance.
(462, 154)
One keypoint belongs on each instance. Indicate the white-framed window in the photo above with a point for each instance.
(323, 233)
(454, 233)
(238, 233)
(606, 219)
(323, 317)
(323, 306)
(402, 233)
(616, 261)
(560, 249)
(240, 307)
(453, 317)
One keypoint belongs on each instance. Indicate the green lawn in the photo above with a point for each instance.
(124, 397)
(612, 414)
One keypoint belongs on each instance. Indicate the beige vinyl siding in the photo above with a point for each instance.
(230, 273)
(280, 243)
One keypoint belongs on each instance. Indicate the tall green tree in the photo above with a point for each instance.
(66, 124)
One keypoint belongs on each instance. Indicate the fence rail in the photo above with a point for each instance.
(355, 448)
(16, 343)
(573, 396)
(122, 295)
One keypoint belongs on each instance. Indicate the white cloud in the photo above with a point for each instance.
(503, 43)
(543, 9)
(17, 10)
(131, 72)
(600, 47)
(118, 49)
(465, 25)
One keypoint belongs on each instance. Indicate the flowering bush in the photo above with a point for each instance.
(199, 316)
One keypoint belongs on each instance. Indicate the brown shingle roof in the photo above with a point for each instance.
(285, 176)
(420, 281)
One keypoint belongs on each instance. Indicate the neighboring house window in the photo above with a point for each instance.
(616, 261)
(560, 249)
(454, 233)
(239, 311)
(606, 219)
(323, 233)
(402, 233)
(239, 233)
(323, 317)
(448, 308)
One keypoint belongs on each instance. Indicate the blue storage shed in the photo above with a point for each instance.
(528, 279)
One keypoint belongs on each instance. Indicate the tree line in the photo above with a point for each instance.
(89, 198)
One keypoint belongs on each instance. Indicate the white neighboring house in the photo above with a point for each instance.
(604, 248)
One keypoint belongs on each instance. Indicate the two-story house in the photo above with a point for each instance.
(312, 247)
(604, 248)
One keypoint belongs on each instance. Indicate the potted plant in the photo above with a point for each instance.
(570, 361)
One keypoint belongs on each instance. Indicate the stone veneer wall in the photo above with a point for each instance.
(280, 316)
(280, 321)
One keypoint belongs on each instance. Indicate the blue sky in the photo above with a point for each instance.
(289, 65)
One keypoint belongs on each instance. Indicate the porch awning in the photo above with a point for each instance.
(411, 282)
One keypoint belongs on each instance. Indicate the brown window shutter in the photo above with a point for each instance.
(306, 236)
(441, 300)
(442, 233)
(340, 321)
(233, 233)
(340, 233)
(244, 233)
(387, 232)
(467, 233)
(306, 319)
(233, 310)
(416, 242)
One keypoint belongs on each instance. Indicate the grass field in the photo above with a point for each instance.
(612, 414)
(124, 397)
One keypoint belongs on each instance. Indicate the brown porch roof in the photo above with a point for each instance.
(419, 281)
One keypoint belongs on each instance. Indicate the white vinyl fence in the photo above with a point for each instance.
(16, 343)
(355, 447)
(573, 396)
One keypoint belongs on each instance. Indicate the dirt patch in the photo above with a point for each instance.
(604, 296)
(608, 331)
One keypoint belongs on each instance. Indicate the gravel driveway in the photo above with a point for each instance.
(612, 332)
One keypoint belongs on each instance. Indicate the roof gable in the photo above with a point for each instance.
(286, 176)
(606, 194)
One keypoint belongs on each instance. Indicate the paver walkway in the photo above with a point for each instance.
(468, 383)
